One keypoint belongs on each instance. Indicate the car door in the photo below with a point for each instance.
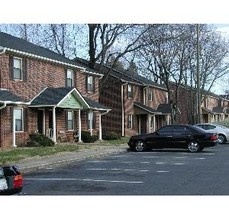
(161, 138)
(180, 137)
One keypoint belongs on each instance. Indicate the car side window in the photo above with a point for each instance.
(166, 130)
(180, 130)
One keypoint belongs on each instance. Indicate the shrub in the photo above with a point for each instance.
(111, 135)
(87, 138)
(37, 140)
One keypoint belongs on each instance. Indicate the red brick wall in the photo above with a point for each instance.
(40, 74)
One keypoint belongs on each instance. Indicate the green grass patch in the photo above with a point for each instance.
(16, 154)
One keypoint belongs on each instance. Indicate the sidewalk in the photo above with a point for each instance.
(36, 163)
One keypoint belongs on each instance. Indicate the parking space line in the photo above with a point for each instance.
(85, 180)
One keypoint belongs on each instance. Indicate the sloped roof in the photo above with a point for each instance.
(164, 108)
(124, 76)
(53, 96)
(218, 110)
(146, 108)
(20, 46)
(8, 97)
(95, 105)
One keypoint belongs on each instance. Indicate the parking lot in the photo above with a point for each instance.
(158, 172)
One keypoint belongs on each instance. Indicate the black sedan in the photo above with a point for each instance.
(11, 180)
(175, 136)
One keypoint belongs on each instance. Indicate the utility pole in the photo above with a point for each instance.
(198, 74)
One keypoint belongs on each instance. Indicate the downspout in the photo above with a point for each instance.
(123, 110)
(100, 123)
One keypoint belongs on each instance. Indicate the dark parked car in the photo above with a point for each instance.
(223, 132)
(11, 180)
(190, 137)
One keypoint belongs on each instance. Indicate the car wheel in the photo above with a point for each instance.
(221, 139)
(140, 146)
(194, 146)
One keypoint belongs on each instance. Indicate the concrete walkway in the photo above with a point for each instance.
(60, 159)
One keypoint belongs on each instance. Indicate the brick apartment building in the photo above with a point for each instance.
(41, 91)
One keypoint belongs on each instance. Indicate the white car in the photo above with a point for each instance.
(223, 132)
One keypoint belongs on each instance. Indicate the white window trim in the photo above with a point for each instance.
(130, 121)
(14, 118)
(130, 91)
(71, 120)
(70, 75)
(18, 58)
(90, 84)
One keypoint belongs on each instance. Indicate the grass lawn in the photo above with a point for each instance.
(16, 154)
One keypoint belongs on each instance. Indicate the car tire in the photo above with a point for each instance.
(194, 146)
(140, 146)
(221, 139)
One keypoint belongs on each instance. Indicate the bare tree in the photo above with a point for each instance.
(112, 41)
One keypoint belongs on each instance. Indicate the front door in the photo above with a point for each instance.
(40, 124)
(143, 124)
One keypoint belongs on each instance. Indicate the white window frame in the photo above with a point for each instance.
(90, 117)
(150, 94)
(70, 78)
(130, 121)
(90, 85)
(21, 118)
(70, 119)
(17, 68)
(129, 91)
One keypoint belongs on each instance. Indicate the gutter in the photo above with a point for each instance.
(3, 50)
(48, 59)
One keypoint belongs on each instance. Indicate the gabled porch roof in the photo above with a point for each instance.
(65, 97)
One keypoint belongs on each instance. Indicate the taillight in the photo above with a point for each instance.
(18, 181)
(214, 137)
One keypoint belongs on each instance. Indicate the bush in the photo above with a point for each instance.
(37, 140)
(87, 138)
(111, 135)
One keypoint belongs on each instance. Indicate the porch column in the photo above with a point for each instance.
(100, 127)
(54, 123)
(14, 132)
(154, 123)
(90, 121)
(79, 123)
(149, 123)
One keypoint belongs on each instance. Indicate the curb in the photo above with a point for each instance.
(58, 161)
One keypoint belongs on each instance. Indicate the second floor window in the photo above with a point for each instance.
(70, 78)
(130, 91)
(150, 94)
(17, 68)
(90, 84)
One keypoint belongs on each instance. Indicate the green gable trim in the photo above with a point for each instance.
(70, 101)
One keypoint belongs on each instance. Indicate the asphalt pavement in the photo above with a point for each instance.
(64, 158)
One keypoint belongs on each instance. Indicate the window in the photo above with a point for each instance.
(18, 117)
(130, 122)
(129, 91)
(70, 119)
(90, 84)
(17, 68)
(150, 94)
(91, 120)
(70, 78)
